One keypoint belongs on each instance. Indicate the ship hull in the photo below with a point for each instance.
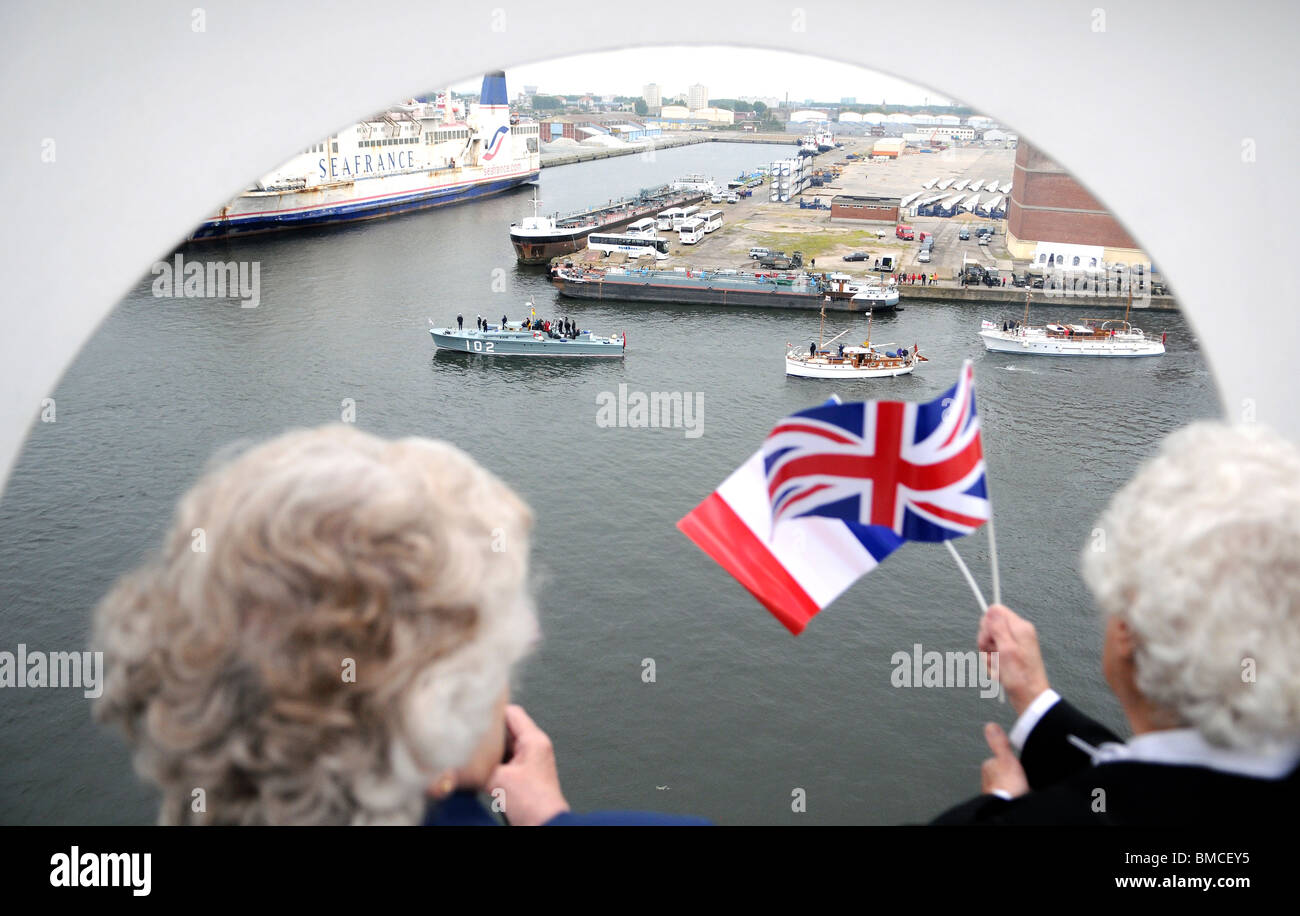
(802, 368)
(523, 344)
(646, 290)
(995, 341)
(347, 202)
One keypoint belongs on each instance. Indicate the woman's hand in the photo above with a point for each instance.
(1002, 772)
(1019, 662)
(529, 777)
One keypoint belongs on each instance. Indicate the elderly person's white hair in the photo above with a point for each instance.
(1201, 558)
(318, 554)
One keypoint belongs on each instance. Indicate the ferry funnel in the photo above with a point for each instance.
(494, 89)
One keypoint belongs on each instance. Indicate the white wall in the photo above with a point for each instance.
(156, 125)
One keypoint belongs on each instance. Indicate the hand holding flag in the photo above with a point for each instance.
(837, 488)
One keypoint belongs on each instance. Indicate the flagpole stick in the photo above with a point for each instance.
(970, 580)
(993, 559)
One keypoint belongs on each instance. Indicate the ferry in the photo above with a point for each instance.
(700, 184)
(538, 239)
(411, 157)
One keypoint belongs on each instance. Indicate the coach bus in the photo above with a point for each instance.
(669, 219)
(691, 231)
(634, 246)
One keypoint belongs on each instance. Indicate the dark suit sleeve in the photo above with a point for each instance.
(982, 809)
(625, 819)
(1048, 756)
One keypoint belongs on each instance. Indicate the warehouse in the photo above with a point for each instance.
(865, 209)
(888, 147)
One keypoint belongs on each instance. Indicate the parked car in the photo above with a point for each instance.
(984, 239)
(857, 256)
(924, 256)
(757, 253)
(716, 198)
(733, 199)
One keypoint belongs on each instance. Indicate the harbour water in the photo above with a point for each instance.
(739, 714)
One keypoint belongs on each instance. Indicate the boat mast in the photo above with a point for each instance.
(870, 312)
(821, 332)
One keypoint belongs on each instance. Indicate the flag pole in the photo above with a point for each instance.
(993, 557)
(970, 580)
(993, 535)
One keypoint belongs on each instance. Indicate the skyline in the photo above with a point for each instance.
(727, 72)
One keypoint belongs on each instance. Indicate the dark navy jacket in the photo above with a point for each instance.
(463, 809)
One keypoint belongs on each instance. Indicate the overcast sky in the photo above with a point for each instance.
(727, 72)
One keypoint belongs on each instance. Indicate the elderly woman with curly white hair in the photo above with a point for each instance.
(1198, 580)
(327, 637)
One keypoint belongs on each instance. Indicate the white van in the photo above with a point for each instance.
(757, 253)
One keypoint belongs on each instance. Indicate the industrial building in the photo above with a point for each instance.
(1048, 205)
(887, 148)
(865, 209)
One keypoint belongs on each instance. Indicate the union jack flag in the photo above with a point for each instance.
(892, 471)
(863, 478)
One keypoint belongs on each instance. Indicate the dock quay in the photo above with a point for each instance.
(857, 247)
(570, 155)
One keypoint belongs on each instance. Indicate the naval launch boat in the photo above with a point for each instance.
(526, 338)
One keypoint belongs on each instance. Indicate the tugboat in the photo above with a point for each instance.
(850, 362)
(530, 337)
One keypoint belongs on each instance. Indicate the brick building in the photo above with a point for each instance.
(1048, 205)
(865, 209)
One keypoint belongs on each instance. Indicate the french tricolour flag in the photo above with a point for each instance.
(836, 489)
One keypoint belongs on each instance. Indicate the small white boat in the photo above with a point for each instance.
(820, 360)
(1088, 337)
(849, 363)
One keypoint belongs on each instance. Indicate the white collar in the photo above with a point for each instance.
(1187, 747)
